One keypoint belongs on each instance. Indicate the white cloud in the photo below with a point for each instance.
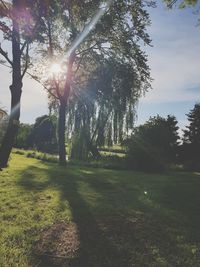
(175, 57)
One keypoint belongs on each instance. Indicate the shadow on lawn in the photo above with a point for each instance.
(115, 238)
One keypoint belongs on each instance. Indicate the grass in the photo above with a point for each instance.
(109, 160)
(81, 216)
(37, 155)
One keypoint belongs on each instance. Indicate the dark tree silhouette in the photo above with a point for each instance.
(153, 144)
(191, 139)
(19, 15)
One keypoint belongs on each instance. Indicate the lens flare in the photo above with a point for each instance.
(55, 69)
(103, 8)
(15, 110)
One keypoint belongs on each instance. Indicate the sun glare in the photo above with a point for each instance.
(55, 69)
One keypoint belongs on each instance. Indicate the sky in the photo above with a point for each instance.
(174, 60)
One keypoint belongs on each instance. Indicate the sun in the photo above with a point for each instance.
(55, 69)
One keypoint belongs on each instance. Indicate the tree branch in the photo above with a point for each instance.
(23, 47)
(173, 2)
(86, 50)
(5, 65)
(5, 55)
(43, 85)
(27, 61)
(79, 64)
(59, 96)
(5, 6)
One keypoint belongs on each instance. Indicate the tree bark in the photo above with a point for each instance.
(61, 133)
(16, 90)
(62, 111)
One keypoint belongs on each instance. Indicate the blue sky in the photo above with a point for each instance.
(175, 66)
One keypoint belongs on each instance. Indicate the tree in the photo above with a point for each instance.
(162, 134)
(118, 35)
(154, 143)
(24, 16)
(19, 15)
(43, 134)
(192, 134)
(24, 138)
(191, 138)
(104, 114)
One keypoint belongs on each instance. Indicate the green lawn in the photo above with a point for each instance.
(78, 216)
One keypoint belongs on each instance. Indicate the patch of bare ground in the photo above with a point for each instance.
(117, 241)
(58, 245)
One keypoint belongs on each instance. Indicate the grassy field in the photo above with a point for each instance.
(78, 216)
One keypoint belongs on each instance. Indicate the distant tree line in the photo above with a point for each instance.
(156, 145)
(40, 136)
(153, 146)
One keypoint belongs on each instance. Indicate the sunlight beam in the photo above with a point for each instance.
(103, 8)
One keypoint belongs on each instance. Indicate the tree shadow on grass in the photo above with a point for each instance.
(95, 248)
(108, 234)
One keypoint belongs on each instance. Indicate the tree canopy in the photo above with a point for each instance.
(105, 74)
(85, 38)
(154, 143)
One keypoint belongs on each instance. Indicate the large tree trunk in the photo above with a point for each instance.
(62, 111)
(16, 89)
(61, 133)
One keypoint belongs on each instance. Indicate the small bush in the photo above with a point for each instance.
(141, 156)
(37, 155)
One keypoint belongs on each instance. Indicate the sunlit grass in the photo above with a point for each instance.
(161, 211)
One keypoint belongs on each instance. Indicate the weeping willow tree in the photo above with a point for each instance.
(82, 37)
(103, 111)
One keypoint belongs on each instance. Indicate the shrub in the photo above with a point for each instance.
(37, 155)
(142, 156)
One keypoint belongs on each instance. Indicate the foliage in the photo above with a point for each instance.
(3, 123)
(190, 152)
(110, 53)
(153, 144)
(142, 156)
(192, 134)
(181, 3)
(104, 110)
(43, 134)
(24, 139)
(36, 155)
